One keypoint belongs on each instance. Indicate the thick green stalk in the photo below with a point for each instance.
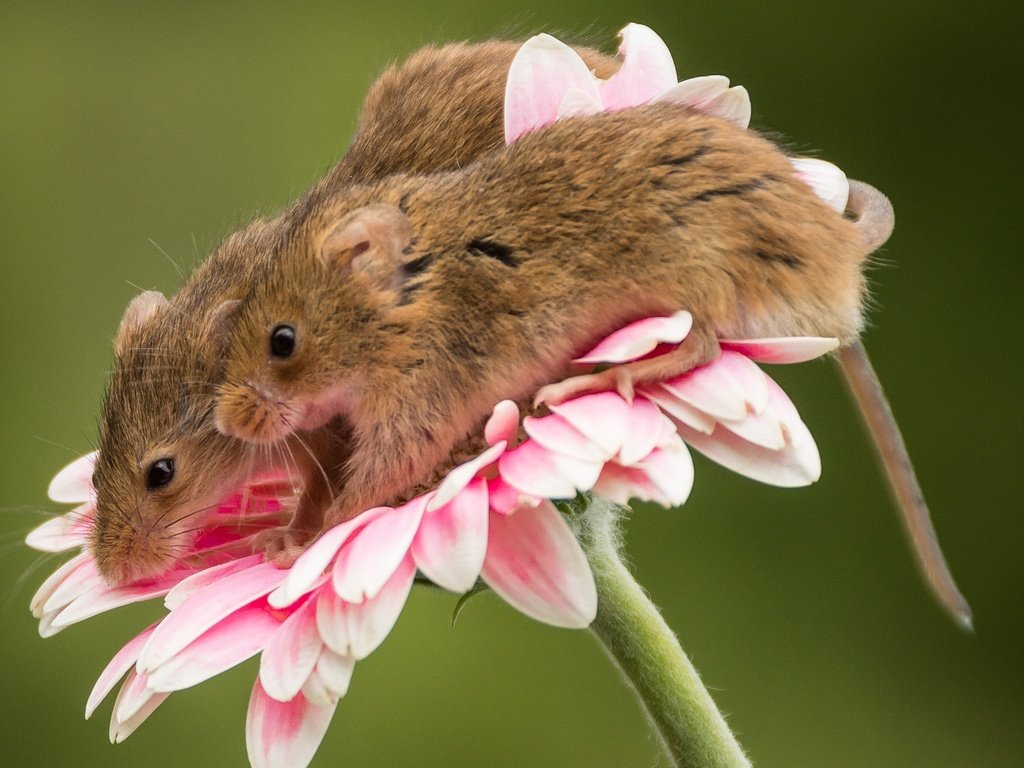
(646, 651)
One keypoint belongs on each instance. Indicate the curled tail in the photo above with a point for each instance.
(872, 213)
(874, 407)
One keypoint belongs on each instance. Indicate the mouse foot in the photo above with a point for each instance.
(281, 546)
(697, 349)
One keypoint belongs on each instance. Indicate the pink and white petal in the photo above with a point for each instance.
(54, 580)
(621, 484)
(284, 735)
(638, 338)
(118, 666)
(462, 475)
(503, 424)
(64, 532)
(316, 691)
(85, 578)
(103, 599)
(670, 469)
(729, 387)
(695, 92)
(789, 468)
(733, 105)
(132, 697)
(602, 417)
(555, 434)
(73, 483)
(121, 730)
(678, 409)
(306, 571)
(205, 609)
(783, 349)
(828, 181)
(647, 69)
(579, 103)
(504, 499)
(46, 628)
(335, 672)
(543, 70)
(291, 653)
(366, 563)
(645, 429)
(201, 579)
(450, 545)
(371, 621)
(535, 563)
(236, 638)
(536, 471)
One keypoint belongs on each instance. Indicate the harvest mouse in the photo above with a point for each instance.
(162, 465)
(411, 305)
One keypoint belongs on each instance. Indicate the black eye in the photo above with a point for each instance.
(160, 473)
(282, 341)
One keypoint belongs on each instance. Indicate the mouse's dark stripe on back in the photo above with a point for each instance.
(418, 265)
(788, 259)
(737, 189)
(499, 251)
(686, 159)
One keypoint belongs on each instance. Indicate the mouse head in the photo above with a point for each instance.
(162, 465)
(317, 332)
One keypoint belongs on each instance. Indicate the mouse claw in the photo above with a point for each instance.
(617, 379)
(280, 546)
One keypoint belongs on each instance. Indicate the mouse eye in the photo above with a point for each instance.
(282, 341)
(160, 473)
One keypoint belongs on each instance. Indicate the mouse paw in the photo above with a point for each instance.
(281, 546)
(618, 379)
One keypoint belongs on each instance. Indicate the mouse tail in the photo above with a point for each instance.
(874, 407)
(872, 212)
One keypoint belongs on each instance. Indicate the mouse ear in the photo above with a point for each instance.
(369, 242)
(222, 323)
(138, 313)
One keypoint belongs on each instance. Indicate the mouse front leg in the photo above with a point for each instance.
(698, 348)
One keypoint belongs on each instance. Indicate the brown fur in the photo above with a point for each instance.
(518, 263)
(437, 111)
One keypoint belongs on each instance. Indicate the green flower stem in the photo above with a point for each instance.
(646, 651)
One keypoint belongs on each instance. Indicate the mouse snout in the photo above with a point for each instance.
(251, 413)
(127, 550)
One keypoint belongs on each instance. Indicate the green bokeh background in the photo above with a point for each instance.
(129, 129)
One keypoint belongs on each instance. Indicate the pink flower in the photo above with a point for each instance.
(549, 81)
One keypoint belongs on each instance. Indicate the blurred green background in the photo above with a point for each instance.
(128, 129)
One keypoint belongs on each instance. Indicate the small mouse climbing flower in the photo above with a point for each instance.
(492, 518)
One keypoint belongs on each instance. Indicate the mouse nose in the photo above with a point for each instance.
(248, 412)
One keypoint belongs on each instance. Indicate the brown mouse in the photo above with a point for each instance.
(411, 305)
(161, 463)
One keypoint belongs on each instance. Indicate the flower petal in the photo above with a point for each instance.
(54, 581)
(828, 181)
(645, 428)
(602, 417)
(132, 697)
(554, 433)
(543, 70)
(143, 707)
(284, 735)
(678, 409)
(291, 653)
(231, 641)
(647, 69)
(732, 105)
(578, 103)
(356, 629)
(335, 672)
(118, 666)
(307, 570)
(696, 92)
(537, 471)
(64, 532)
(103, 598)
(83, 579)
(729, 387)
(503, 424)
(205, 609)
(451, 543)
(366, 563)
(640, 337)
(200, 580)
(535, 563)
(73, 484)
(459, 477)
(784, 349)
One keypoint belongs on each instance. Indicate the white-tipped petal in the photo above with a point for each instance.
(118, 666)
(784, 349)
(365, 563)
(827, 180)
(695, 92)
(291, 653)
(638, 338)
(450, 545)
(73, 484)
(284, 735)
(732, 105)
(647, 69)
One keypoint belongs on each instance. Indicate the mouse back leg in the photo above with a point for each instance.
(874, 407)
(698, 348)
